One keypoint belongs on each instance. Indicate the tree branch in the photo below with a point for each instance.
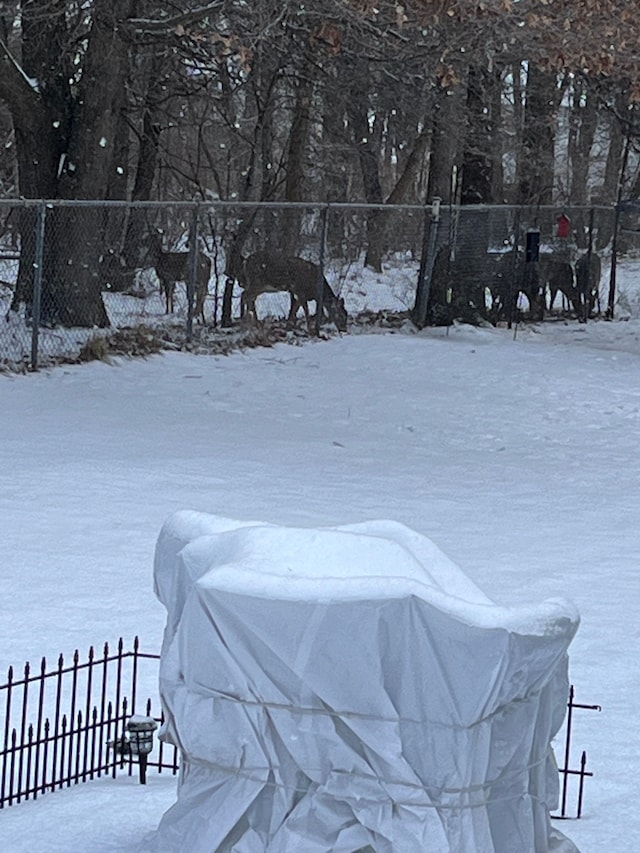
(155, 25)
(18, 91)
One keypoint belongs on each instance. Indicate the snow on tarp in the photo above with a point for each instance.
(350, 689)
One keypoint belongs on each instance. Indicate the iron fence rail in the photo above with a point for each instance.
(566, 771)
(60, 724)
(67, 725)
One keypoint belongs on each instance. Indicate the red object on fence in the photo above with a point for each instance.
(564, 226)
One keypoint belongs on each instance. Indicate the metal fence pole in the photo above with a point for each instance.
(513, 290)
(611, 301)
(324, 218)
(427, 261)
(7, 728)
(586, 305)
(193, 269)
(37, 283)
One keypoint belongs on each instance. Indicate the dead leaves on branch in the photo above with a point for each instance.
(447, 76)
(328, 37)
(594, 37)
(227, 46)
(599, 38)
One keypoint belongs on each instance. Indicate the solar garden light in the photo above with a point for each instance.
(140, 730)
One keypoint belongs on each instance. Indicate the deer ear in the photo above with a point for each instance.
(341, 302)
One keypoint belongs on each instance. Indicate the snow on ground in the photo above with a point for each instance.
(518, 457)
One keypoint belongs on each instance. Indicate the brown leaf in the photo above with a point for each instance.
(327, 36)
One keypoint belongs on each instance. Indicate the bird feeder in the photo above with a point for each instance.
(532, 247)
(563, 227)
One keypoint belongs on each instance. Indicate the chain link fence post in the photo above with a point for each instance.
(324, 216)
(38, 265)
(586, 283)
(512, 290)
(611, 299)
(427, 260)
(194, 252)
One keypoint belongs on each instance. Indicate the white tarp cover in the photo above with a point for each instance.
(350, 689)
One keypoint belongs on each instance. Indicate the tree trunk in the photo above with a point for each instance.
(299, 139)
(613, 169)
(409, 177)
(88, 168)
(480, 156)
(536, 163)
(583, 122)
(66, 149)
(132, 255)
(363, 136)
(297, 155)
(445, 141)
(38, 152)
(613, 166)
(86, 171)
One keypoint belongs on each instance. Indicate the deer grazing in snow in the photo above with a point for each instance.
(588, 273)
(579, 283)
(270, 272)
(171, 267)
(558, 277)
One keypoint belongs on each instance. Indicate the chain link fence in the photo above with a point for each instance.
(503, 264)
(625, 260)
(80, 279)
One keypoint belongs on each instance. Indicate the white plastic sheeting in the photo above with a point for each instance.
(350, 689)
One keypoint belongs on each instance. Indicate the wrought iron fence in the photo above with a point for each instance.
(567, 772)
(68, 724)
(64, 725)
(77, 277)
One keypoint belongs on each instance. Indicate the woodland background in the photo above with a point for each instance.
(491, 101)
(523, 102)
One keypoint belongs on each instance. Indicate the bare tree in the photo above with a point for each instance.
(336, 100)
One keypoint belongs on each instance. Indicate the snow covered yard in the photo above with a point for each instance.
(519, 458)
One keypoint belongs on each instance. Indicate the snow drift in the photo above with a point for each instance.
(350, 689)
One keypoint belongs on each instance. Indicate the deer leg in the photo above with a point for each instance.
(170, 291)
(248, 306)
(305, 308)
(199, 306)
(168, 296)
(202, 288)
(293, 309)
(298, 302)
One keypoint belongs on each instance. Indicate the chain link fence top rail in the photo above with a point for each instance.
(75, 273)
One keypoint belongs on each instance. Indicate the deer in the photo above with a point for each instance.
(557, 276)
(579, 283)
(510, 276)
(588, 272)
(171, 267)
(270, 272)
